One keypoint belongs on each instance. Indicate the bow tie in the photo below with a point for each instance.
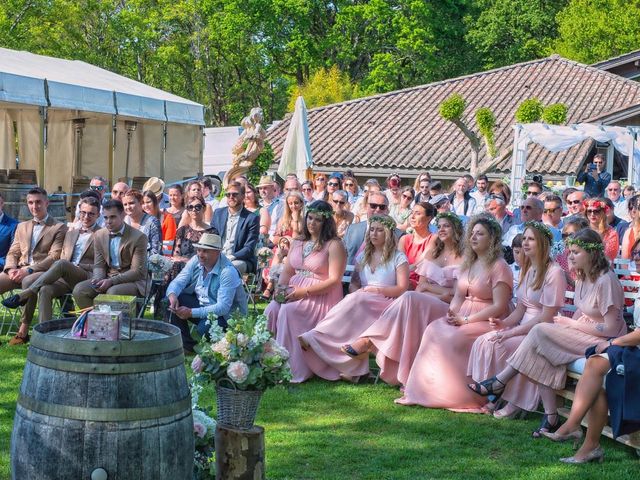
(114, 235)
(85, 230)
(38, 222)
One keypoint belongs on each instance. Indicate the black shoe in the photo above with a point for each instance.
(14, 301)
(546, 426)
(486, 388)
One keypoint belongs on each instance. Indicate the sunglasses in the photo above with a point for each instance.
(535, 194)
(195, 208)
(349, 185)
(308, 189)
(573, 202)
(594, 212)
(320, 180)
(613, 189)
(549, 211)
(408, 197)
(96, 188)
(339, 202)
(333, 184)
(377, 206)
(565, 235)
(527, 207)
(232, 194)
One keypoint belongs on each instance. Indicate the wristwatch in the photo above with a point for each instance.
(29, 270)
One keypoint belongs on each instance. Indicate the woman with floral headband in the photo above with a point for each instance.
(382, 274)
(439, 373)
(540, 296)
(309, 286)
(596, 212)
(395, 336)
(548, 348)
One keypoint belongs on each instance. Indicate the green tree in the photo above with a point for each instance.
(324, 87)
(594, 30)
(504, 32)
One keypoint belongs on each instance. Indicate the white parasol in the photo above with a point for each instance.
(296, 152)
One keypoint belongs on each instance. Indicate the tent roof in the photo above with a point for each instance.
(27, 78)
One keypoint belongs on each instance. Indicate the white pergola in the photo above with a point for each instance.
(556, 138)
(69, 118)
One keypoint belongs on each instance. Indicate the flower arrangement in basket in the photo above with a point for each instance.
(264, 254)
(242, 362)
(158, 265)
(204, 428)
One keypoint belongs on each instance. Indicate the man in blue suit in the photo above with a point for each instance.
(239, 229)
(7, 231)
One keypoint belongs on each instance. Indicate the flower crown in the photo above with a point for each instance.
(321, 213)
(599, 204)
(386, 221)
(452, 217)
(489, 219)
(541, 227)
(588, 246)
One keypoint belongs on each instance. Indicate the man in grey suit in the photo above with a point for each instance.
(378, 204)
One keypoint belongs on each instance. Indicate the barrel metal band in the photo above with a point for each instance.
(105, 368)
(104, 414)
(105, 348)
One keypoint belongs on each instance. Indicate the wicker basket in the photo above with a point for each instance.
(237, 408)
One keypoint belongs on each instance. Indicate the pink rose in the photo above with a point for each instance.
(238, 371)
(197, 364)
(199, 429)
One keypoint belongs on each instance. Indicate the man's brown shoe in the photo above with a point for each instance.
(19, 340)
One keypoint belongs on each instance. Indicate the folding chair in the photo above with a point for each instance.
(9, 318)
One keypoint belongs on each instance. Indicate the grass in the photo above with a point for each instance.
(322, 430)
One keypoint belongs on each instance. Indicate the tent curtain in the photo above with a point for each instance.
(183, 156)
(7, 141)
(29, 139)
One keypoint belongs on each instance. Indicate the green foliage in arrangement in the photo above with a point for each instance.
(529, 111)
(486, 121)
(261, 165)
(452, 108)
(324, 87)
(555, 114)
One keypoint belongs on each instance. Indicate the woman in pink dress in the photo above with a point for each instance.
(395, 336)
(414, 244)
(439, 372)
(310, 284)
(540, 295)
(596, 212)
(548, 348)
(381, 275)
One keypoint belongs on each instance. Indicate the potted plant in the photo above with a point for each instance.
(242, 363)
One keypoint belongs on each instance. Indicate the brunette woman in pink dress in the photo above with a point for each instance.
(596, 211)
(381, 275)
(548, 348)
(540, 295)
(414, 244)
(309, 285)
(483, 291)
(395, 336)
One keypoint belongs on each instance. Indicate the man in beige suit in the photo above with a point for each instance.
(74, 266)
(36, 245)
(120, 262)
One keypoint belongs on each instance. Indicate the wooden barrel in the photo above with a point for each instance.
(15, 202)
(120, 406)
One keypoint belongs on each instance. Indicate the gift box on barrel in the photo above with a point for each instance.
(125, 305)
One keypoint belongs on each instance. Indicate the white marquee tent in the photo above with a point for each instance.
(558, 138)
(71, 118)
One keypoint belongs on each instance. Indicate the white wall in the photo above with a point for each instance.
(217, 149)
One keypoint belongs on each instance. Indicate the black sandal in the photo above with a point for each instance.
(349, 350)
(488, 387)
(545, 426)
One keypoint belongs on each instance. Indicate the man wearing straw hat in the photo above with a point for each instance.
(208, 285)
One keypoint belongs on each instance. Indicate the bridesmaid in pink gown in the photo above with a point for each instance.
(548, 348)
(416, 243)
(540, 296)
(396, 335)
(313, 273)
(439, 372)
(381, 275)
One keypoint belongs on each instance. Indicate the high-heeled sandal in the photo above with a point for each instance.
(546, 426)
(352, 352)
(517, 413)
(576, 436)
(595, 455)
(488, 387)
(266, 295)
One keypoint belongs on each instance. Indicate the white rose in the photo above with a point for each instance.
(238, 371)
(222, 347)
(242, 340)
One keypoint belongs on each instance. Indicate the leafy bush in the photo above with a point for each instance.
(486, 121)
(261, 165)
(555, 114)
(529, 111)
(453, 107)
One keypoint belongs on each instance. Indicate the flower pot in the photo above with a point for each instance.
(237, 408)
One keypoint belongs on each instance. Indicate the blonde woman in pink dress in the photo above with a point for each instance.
(540, 295)
(483, 291)
(395, 336)
(311, 284)
(548, 348)
(381, 275)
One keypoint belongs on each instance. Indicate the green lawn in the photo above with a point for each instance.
(322, 430)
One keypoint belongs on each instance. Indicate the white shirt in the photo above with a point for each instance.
(621, 209)
(230, 234)
(78, 248)
(114, 247)
(35, 236)
(457, 206)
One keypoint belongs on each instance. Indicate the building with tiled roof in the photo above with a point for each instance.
(402, 131)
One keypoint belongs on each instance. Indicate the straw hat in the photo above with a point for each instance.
(265, 181)
(209, 241)
(155, 185)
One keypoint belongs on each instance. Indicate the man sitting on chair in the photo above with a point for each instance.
(208, 284)
(37, 244)
(120, 261)
(74, 266)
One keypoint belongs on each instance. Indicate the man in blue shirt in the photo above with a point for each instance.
(7, 232)
(594, 177)
(209, 284)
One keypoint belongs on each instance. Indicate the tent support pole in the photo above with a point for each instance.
(631, 174)
(163, 153)
(112, 147)
(43, 144)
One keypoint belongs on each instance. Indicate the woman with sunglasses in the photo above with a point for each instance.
(596, 212)
(353, 190)
(137, 218)
(167, 223)
(401, 212)
(307, 192)
(194, 189)
(633, 231)
(341, 214)
(320, 186)
(483, 291)
(548, 348)
(540, 295)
